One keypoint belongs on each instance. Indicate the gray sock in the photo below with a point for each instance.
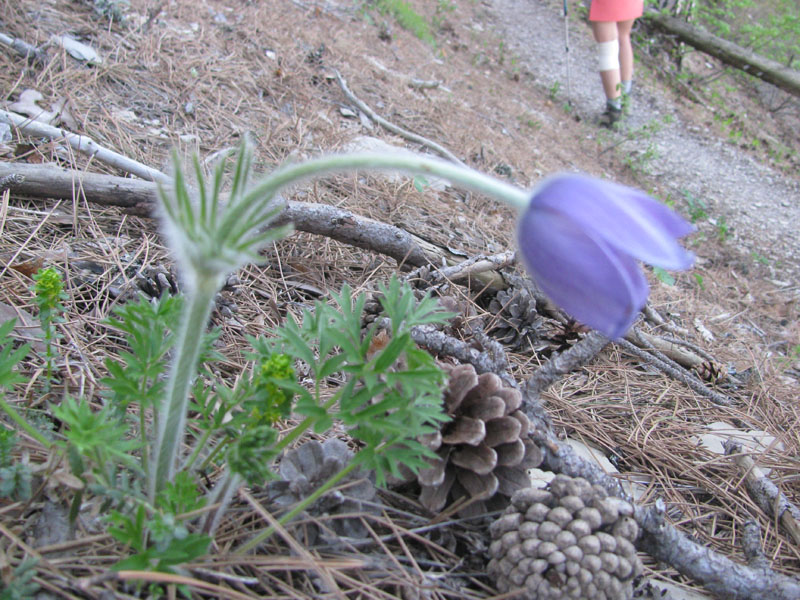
(614, 103)
(627, 86)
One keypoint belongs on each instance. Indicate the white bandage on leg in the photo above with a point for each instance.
(608, 55)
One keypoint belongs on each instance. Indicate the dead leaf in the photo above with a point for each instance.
(25, 329)
(78, 50)
(29, 267)
(27, 105)
(69, 480)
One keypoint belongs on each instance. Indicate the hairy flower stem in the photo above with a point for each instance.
(172, 415)
(267, 188)
(299, 507)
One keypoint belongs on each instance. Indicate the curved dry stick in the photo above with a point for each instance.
(412, 137)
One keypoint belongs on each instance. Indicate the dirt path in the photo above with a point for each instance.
(761, 206)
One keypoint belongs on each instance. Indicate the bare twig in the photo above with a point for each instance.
(566, 362)
(652, 315)
(662, 363)
(751, 545)
(684, 358)
(765, 493)
(27, 51)
(468, 268)
(410, 136)
(439, 342)
(475, 265)
(84, 144)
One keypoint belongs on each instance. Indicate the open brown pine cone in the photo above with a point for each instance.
(483, 453)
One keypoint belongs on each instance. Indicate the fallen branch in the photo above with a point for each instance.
(718, 574)
(681, 356)
(410, 136)
(27, 51)
(751, 545)
(565, 362)
(769, 70)
(665, 365)
(9, 181)
(468, 268)
(138, 197)
(765, 493)
(83, 144)
(488, 360)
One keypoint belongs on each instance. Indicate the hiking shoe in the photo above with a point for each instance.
(610, 116)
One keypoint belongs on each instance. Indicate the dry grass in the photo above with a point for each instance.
(198, 83)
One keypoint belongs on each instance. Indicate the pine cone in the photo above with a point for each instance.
(305, 469)
(570, 540)
(517, 324)
(711, 371)
(484, 451)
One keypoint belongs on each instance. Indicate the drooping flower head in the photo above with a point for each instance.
(581, 238)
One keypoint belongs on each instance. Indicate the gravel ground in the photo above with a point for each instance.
(760, 205)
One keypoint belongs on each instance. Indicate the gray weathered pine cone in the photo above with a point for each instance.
(517, 324)
(306, 468)
(570, 540)
(483, 453)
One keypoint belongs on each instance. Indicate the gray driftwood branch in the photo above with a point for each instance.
(84, 145)
(764, 492)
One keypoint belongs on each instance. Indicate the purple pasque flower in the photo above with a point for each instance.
(581, 239)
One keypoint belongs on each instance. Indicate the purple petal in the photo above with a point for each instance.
(624, 217)
(589, 279)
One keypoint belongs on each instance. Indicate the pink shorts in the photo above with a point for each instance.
(616, 10)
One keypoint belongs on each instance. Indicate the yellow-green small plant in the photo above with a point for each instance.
(48, 294)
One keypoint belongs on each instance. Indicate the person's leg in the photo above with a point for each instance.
(605, 34)
(625, 54)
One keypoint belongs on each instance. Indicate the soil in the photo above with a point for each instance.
(501, 95)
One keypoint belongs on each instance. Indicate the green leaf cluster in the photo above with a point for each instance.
(159, 540)
(136, 376)
(15, 477)
(20, 585)
(49, 295)
(381, 386)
